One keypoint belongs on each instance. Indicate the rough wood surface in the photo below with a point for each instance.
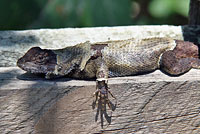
(194, 12)
(13, 44)
(151, 103)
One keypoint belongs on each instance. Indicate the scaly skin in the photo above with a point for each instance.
(112, 59)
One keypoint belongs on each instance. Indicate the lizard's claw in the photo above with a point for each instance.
(101, 95)
(101, 100)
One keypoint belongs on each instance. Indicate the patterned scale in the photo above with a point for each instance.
(135, 56)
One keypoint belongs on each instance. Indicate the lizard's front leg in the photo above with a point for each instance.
(102, 90)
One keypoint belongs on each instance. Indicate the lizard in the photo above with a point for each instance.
(118, 58)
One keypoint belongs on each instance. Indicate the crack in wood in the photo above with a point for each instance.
(151, 121)
(152, 96)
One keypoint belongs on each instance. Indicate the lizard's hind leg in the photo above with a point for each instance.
(181, 59)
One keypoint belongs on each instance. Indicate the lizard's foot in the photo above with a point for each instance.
(101, 100)
(101, 94)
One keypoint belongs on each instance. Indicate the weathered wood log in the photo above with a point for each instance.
(151, 103)
(13, 44)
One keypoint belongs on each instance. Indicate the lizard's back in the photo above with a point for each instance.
(128, 57)
(121, 58)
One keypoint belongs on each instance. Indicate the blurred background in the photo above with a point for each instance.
(35, 14)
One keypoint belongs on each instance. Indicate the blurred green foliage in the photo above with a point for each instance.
(29, 14)
(165, 8)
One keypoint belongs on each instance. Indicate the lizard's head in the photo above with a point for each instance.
(55, 63)
(50, 62)
(37, 60)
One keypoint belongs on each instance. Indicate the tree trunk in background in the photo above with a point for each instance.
(194, 12)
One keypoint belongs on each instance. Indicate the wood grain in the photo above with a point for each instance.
(150, 103)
